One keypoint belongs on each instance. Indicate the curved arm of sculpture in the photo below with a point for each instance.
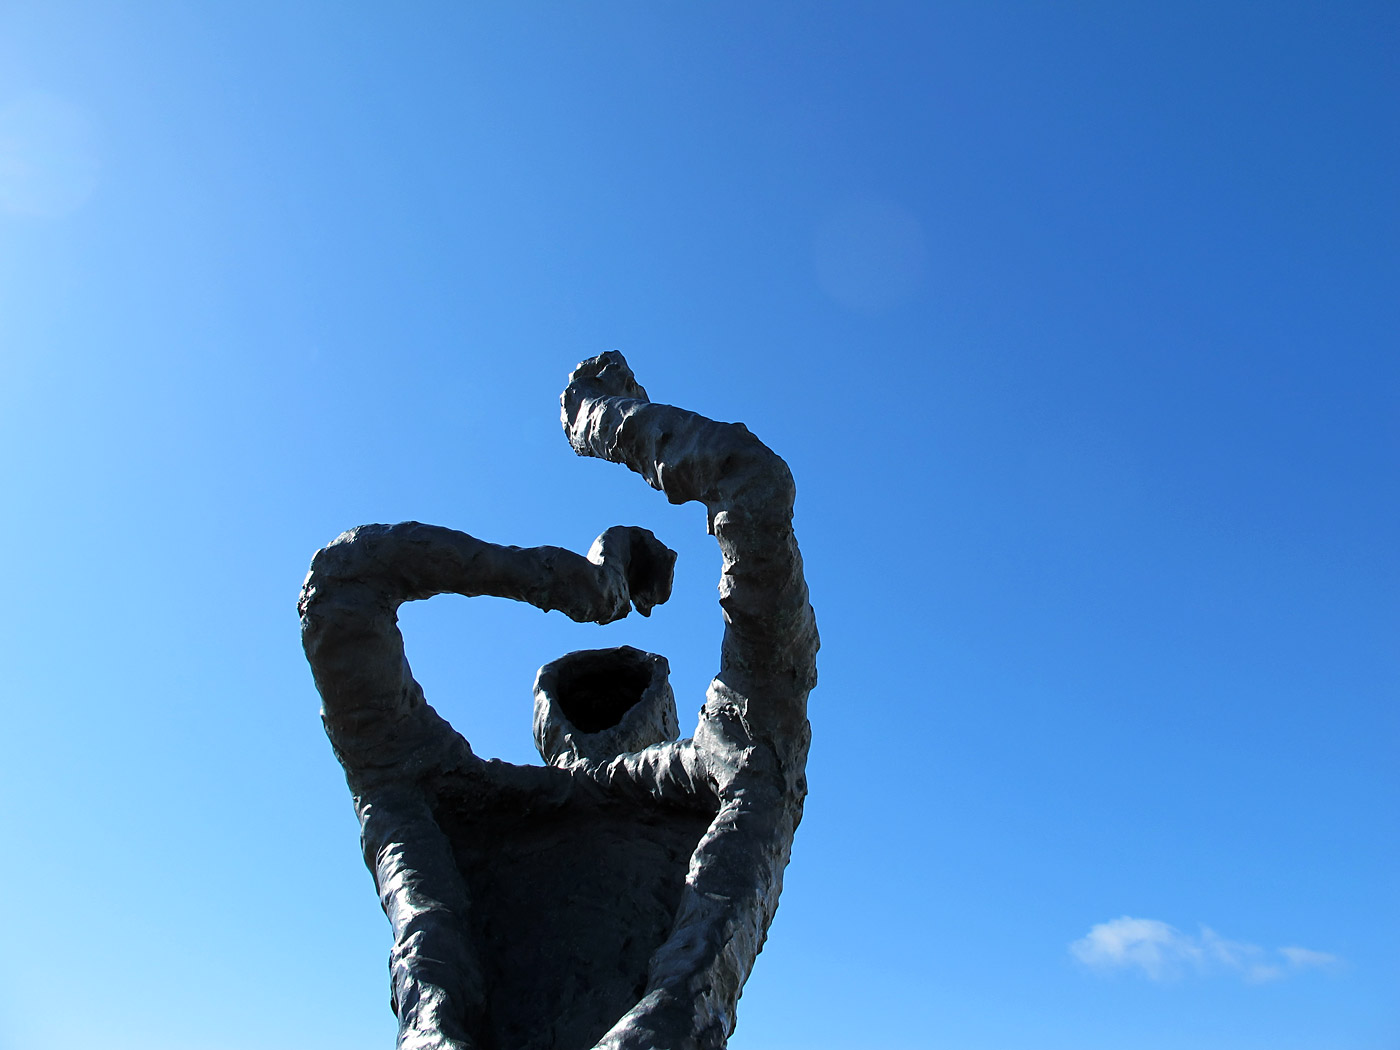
(753, 734)
(374, 711)
(768, 656)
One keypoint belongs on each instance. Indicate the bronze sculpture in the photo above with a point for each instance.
(617, 896)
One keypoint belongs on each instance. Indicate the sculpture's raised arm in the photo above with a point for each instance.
(373, 709)
(753, 734)
(768, 657)
(387, 737)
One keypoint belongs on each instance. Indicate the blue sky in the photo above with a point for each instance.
(1077, 324)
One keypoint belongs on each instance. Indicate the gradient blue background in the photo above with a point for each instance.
(1076, 322)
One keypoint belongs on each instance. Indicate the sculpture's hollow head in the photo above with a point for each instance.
(597, 704)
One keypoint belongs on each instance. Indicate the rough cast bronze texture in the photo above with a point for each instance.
(617, 896)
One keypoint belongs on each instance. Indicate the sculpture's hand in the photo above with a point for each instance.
(642, 562)
(604, 376)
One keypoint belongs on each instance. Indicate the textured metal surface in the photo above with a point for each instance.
(617, 896)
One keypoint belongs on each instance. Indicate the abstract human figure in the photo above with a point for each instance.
(616, 897)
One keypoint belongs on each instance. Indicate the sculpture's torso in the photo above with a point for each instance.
(569, 903)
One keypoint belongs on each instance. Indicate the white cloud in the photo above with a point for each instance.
(1307, 957)
(1163, 952)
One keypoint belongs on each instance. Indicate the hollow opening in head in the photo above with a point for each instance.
(595, 690)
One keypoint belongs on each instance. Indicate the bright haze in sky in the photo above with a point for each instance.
(1076, 323)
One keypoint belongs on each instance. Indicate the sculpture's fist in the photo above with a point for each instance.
(641, 561)
(604, 376)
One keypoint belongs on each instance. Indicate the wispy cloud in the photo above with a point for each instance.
(1163, 952)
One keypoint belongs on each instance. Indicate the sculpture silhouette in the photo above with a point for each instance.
(617, 896)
